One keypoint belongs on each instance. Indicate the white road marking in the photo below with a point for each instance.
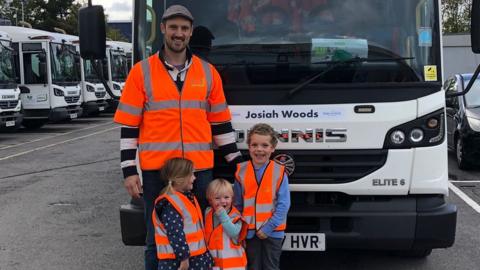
(465, 181)
(464, 197)
(54, 144)
(56, 135)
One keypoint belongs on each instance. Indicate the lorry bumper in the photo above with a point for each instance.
(374, 222)
(59, 114)
(93, 107)
(9, 117)
(112, 105)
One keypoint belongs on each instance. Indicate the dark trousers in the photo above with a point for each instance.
(264, 254)
(152, 185)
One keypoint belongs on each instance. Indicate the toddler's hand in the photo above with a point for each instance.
(219, 210)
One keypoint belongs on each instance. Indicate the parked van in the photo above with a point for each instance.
(10, 104)
(49, 76)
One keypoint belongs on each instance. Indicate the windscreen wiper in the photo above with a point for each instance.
(335, 64)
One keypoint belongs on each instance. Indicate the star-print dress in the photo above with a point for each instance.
(173, 223)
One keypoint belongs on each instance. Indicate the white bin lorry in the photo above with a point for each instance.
(94, 96)
(354, 91)
(49, 76)
(117, 71)
(10, 103)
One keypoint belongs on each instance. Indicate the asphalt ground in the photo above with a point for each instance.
(61, 188)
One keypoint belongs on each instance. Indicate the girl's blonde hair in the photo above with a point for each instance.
(217, 186)
(175, 172)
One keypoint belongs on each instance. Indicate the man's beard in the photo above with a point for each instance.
(173, 49)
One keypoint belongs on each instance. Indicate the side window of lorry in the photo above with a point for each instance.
(35, 68)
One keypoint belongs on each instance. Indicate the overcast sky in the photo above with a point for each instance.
(116, 9)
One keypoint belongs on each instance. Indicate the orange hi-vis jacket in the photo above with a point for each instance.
(259, 200)
(192, 226)
(226, 253)
(173, 123)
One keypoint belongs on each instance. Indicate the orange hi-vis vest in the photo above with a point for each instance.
(226, 253)
(192, 226)
(173, 123)
(259, 200)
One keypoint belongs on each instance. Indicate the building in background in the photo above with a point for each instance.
(124, 26)
(458, 56)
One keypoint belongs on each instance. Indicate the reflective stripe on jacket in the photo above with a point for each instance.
(259, 199)
(192, 226)
(173, 123)
(225, 253)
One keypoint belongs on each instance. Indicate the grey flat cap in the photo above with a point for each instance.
(177, 10)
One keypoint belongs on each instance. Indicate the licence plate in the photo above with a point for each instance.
(73, 115)
(101, 108)
(10, 123)
(304, 242)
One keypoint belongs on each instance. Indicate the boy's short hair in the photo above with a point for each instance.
(265, 130)
(218, 185)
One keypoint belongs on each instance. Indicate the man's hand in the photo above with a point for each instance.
(133, 186)
(261, 235)
(184, 265)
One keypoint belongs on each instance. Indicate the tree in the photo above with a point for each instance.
(456, 16)
(43, 14)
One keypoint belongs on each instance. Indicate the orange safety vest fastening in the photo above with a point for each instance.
(259, 200)
(173, 123)
(192, 226)
(226, 253)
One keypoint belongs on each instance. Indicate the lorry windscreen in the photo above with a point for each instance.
(64, 64)
(7, 68)
(284, 42)
(91, 75)
(119, 66)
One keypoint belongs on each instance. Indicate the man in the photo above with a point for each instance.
(171, 105)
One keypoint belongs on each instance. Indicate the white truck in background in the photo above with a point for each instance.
(94, 96)
(10, 104)
(117, 70)
(49, 76)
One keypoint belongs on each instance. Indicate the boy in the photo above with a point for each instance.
(263, 198)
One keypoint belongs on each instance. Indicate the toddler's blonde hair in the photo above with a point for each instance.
(217, 186)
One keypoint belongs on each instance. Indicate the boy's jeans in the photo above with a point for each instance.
(152, 185)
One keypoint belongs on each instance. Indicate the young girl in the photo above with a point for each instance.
(225, 229)
(178, 222)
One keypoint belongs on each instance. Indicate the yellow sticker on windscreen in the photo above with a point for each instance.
(430, 73)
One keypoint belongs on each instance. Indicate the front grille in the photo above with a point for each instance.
(8, 104)
(72, 99)
(322, 166)
(100, 94)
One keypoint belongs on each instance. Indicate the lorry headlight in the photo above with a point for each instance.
(474, 124)
(427, 130)
(397, 137)
(416, 135)
(57, 92)
(116, 86)
(90, 88)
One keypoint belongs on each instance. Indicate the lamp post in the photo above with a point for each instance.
(23, 17)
